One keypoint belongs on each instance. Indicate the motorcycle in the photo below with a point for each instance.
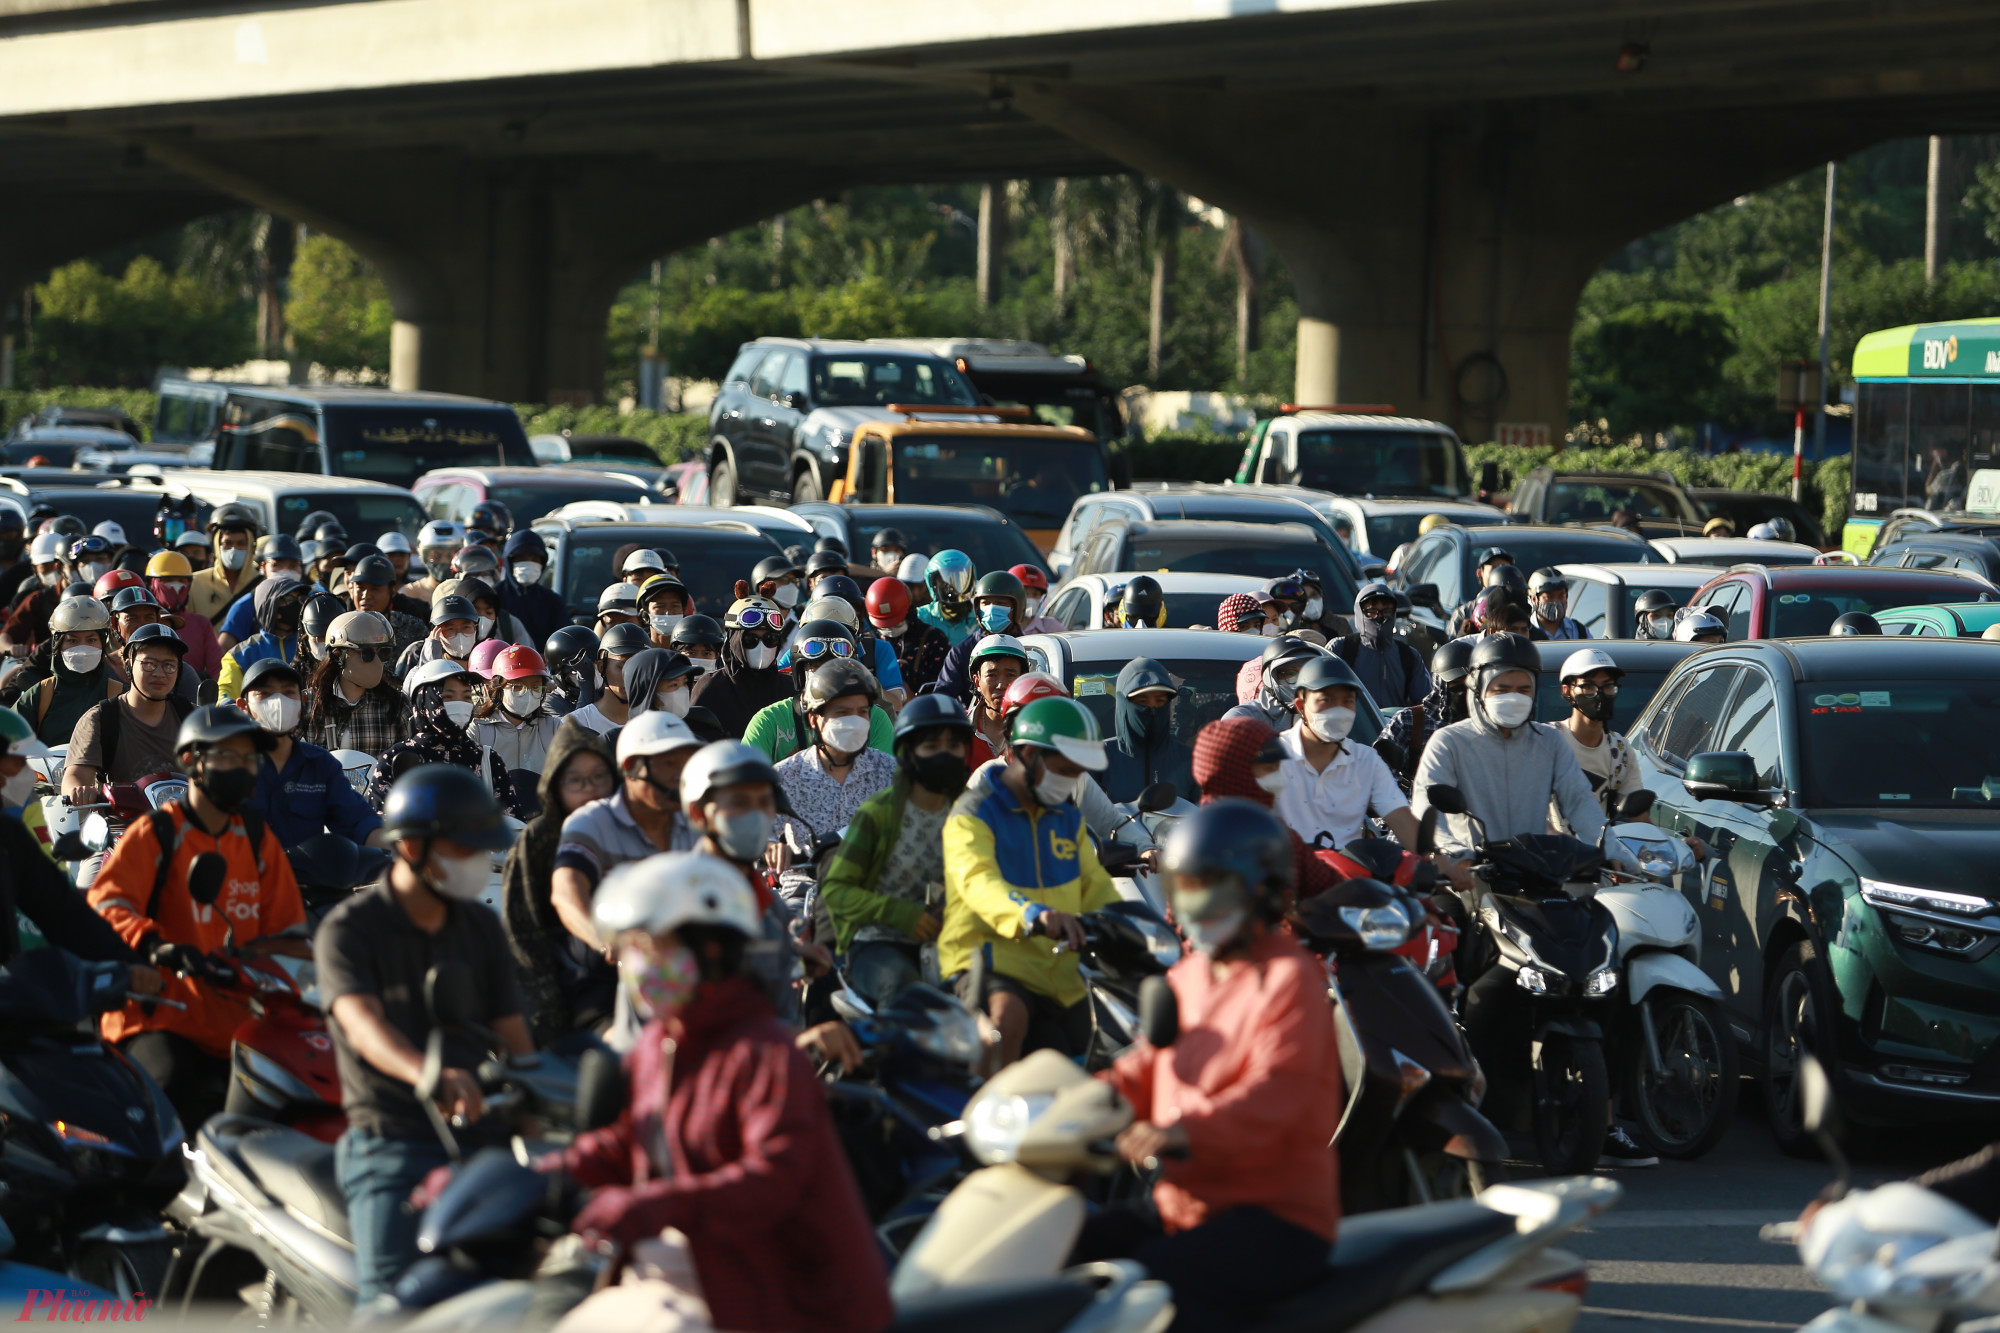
(1433, 945)
(91, 840)
(1142, 824)
(1123, 945)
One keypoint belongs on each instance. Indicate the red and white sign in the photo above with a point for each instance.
(1532, 434)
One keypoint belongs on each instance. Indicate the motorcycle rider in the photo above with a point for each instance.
(80, 674)
(511, 720)
(1240, 757)
(1331, 786)
(170, 578)
(1697, 624)
(1391, 670)
(454, 632)
(948, 577)
(1250, 1095)
(28, 614)
(437, 543)
(372, 587)
(1412, 729)
(612, 706)
(699, 639)
(536, 605)
(1018, 869)
(571, 656)
(1548, 593)
(920, 647)
(996, 609)
(232, 530)
(886, 550)
(275, 555)
(137, 733)
(132, 609)
(1278, 680)
(301, 789)
(1143, 605)
(1035, 592)
(350, 704)
(372, 954)
(827, 781)
(142, 891)
(1653, 615)
(1144, 749)
(749, 680)
(281, 604)
(781, 730)
(441, 704)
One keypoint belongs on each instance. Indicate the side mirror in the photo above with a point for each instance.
(1427, 832)
(206, 693)
(205, 878)
(451, 995)
(1724, 775)
(798, 402)
(1159, 1013)
(1160, 796)
(1638, 803)
(600, 1090)
(1426, 595)
(1489, 477)
(1375, 570)
(1446, 799)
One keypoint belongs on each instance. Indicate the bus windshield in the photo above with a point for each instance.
(399, 444)
(1382, 462)
(1032, 481)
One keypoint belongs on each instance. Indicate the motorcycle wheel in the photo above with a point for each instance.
(1572, 1110)
(1686, 1110)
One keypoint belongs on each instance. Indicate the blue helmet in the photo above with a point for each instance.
(1238, 851)
(949, 576)
(446, 801)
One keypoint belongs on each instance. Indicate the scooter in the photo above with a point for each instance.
(108, 819)
(1433, 945)
(1123, 945)
(1142, 824)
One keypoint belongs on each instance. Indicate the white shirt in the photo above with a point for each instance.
(589, 716)
(1336, 800)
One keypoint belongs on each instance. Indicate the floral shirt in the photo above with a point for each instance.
(821, 805)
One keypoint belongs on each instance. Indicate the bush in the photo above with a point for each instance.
(93, 328)
(675, 436)
(18, 403)
(1184, 455)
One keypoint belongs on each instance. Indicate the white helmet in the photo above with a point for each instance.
(913, 568)
(622, 597)
(110, 531)
(359, 629)
(643, 559)
(671, 890)
(837, 609)
(725, 764)
(1586, 660)
(47, 547)
(1696, 621)
(442, 532)
(432, 672)
(393, 543)
(654, 732)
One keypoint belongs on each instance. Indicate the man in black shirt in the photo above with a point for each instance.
(373, 953)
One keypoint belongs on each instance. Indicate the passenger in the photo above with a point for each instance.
(233, 529)
(1241, 758)
(1411, 730)
(539, 608)
(612, 706)
(1144, 750)
(1331, 784)
(1549, 592)
(826, 782)
(663, 679)
(749, 680)
(440, 695)
(350, 704)
(1035, 592)
(1390, 670)
(1241, 613)
(275, 555)
(281, 603)
(170, 577)
(948, 577)
(512, 720)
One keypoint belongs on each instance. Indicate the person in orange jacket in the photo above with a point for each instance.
(142, 891)
(1243, 1107)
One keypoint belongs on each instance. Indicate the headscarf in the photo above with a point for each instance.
(435, 730)
(264, 601)
(1229, 616)
(1223, 754)
(1379, 635)
(644, 672)
(1144, 729)
(1385, 674)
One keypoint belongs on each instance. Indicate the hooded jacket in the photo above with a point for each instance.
(539, 607)
(1145, 750)
(1392, 671)
(1223, 755)
(266, 642)
(1413, 728)
(538, 936)
(435, 739)
(736, 693)
(644, 674)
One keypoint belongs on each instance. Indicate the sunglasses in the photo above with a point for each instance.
(814, 649)
(754, 617)
(368, 654)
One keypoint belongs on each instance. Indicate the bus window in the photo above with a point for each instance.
(1880, 434)
(1985, 430)
(1939, 416)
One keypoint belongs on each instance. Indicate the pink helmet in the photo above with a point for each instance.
(483, 655)
(518, 663)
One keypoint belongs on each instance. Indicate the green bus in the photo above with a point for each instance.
(1926, 424)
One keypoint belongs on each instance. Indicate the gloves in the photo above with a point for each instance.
(184, 959)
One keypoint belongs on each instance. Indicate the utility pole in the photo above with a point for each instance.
(1166, 261)
(1933, 214)
(652, 374)
(992, 241)
(1825, 296)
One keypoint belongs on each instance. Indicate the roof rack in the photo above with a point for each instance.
(1362, 409)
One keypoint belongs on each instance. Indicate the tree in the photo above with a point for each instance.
(339, 312)
(92, 328)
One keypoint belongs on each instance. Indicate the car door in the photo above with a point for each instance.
(1683, 725)
(1590, 605)
(1731, 604)
(761, 455)
(1072, 609)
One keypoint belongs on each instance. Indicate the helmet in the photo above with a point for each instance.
(913, 569)
(309, 525)
(261, 672)
(1718, 527)
(373, 571)
(825, 562)
(568, 648)
(837, 609)
(359, 629)
(654, 732)
(643, 558)
(1431, 523)
(672, 890)
(47, 547)
(1033, 581)
(1586, 660)
(515, 662)
(445, 801)
(623, 641)
(1451, 661)
(931, 710)
(84, 547)
(130, 596)
(78, 613)
(1488, 554)
(393, 543)
(1000, 583)
(949, 576)
(311, 551)
(1547, 579)
(998, 645)
(891, 539)
(234, 518)
(1238, 851)
(493, 517)
(330, 534)
(621, 598)
(770, 569)
(322, 609)
(763, 613)
(1065, 726)
(1288, 648)
(440, 532)
(164, 636)
(115, 582)
(1782, 529)
(214, 723)
(1506, 652)
(482, 657)
(453, 607)
(435, 672)
(1284, 588)
(474, 560)
(111, 532)
(697, 631)
(888, 603)
(1855, 622)
(833, 544)
(1324, 673)
(660, 583)
(1028, 687)
(838, 585)
(1510, 580)
(727, 764)
(19, 741)
(838, 679)
(1696, 622)
(169, 565)
(1143, 603)
(1656, 599)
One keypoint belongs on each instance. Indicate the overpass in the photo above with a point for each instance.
(1441, 176)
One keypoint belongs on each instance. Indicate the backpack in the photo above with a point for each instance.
(167, 831)
(45, 696)
(111, 723)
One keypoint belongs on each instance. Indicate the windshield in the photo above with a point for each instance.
(399, 444)
(57, 454)
(625, 451)
(1057, 404)
(877, 381)
(365, 517)
(1187, 555)
(528, 503)
(1798, 614)
(1596, 501)
(1746, 511)
(711, 560)
(1635, 690)
(1900, 743)
(1723, 559)
(1382, 462)
(990, 545)
(1208, 690)
(1537, 550)
(131, 510)
(1388, 531)
(1033, 482)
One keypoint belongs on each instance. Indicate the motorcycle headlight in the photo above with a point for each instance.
(995, 1128)
(1531, 978)
(1601, 982)
(1381, 928)
(952, 1035)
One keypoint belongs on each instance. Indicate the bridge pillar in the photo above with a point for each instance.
(1438, 255)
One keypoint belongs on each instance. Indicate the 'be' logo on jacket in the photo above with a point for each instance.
(1064, 849)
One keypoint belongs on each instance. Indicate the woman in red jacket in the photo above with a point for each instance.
(1245, 1103)
(1239, 756)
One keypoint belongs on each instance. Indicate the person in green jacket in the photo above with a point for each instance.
(890, 865)
(80, 670)
(780, 729)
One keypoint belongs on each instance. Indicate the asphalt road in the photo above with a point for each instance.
(1681, 1251)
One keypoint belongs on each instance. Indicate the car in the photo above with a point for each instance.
(282, 500)
(1059, 390)
(1446, 558)
(1942, 549)
(1645, 662)
(1727, 551)
(1601, 596)
(528, 492)
(98, 418)
(1361, 451)
(1746, 509)
(1192, 599)
(1905, 523)
(605, 453)
(60, 445)
(1845, 789)
(352, 431)
(1176, 500)
(1655, 499)
(93, 501)
(987, 536)
(781, 525)
(1946, 620)
(1257, 550)
(112, 463)
(1379, 526)
(585, 553)
(785, 413)
(1759, 602)
(1203, 663)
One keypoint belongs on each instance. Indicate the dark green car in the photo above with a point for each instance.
(1849, 791)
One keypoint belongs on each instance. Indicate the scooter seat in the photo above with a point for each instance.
(1001, 1307)
(1379, 1258)
(297, 1171)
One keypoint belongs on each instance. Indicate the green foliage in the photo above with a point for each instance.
(18, 403)
(675, 436)
(339, 312)
(93, 328)
(1185, 455)
(1641, 366)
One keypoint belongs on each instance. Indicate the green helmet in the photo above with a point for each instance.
(1062, 725)
(22, 743)
(1000, 583)
(999, 645)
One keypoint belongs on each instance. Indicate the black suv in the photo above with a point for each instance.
(1918, 548)
(779, 428)
(1660, 504)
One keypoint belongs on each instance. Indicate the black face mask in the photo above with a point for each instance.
(944, 772)
(1456, 709)
(229, 789)
(1596, 707)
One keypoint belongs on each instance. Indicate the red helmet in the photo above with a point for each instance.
(519, 663)
(888, 603)
(1028, 687)
(1031, 578)
(109, 585)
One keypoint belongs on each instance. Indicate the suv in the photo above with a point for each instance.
(1660, 504)
(1795, 601)
(1059, 390)
(528, 492)
(783, 418)
(1154, 503)
(1942, 549)
(584, 555)
(1440, 573)
(1261, 551)
(1357, 452)
(1847, 909)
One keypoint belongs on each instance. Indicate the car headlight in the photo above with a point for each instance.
(1601, 982)
(952, 1035)
(995, 1128)
(1531, 978)
(1953, 923)
(1880, 894)
(833, 437)
(1383, 928)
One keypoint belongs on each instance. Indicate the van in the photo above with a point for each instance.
(281, 500)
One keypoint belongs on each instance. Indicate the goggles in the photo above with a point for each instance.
(812, 650)
(753, 617)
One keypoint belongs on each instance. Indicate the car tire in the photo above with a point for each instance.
(805, 487)
(1794, 997)
(1687, 1112)
(722, 482)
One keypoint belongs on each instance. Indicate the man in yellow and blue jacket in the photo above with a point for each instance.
(1018, 869)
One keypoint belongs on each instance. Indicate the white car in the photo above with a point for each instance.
(1602, 595)
(1192, 599)
(1380, 526)
(1722, 552)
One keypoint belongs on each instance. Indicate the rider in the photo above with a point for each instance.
(663, 603)
(781, 730)
(143, 892)
(372, 955)
(1653, 615)
(1143, 604)
(232, 529)
(1240, 757)
(1548, 593)
(1412, 729)
(437, 543)
(1250, 1094)
(1332, 785)
(522, 592)
(170, 577)
(372, 587)
(699, 639)
(612, 706)
(350, 704)
(281, 603)
(275, 555)
(570, 654)
(886, 550)
(1698, 624)
(996, 609)
(1391, 670)
(827, 781)
(80, 674)
(749, 680)
(1853, 623)
(300, 787)
(618, 604)
(1277, 682)
(511, 720)
(948, 577)
(441, 704)
(126, 738)
(1035, 591)
(1018, 868)
(919, 646)
(1143, 749)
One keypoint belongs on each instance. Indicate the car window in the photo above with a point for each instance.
(1595, 502)
(876, 380)
(1038, 660)
(1437, 561)
(1898, 743)
(792, 378)
(1734, 603)
(1799, 614)
(1072, 608)
(1691, 726)
(1922, 560)
(765, 383)
(1898, 627)
(1753, 727)
(1589, 603)
(1930, 631)
(740, 369)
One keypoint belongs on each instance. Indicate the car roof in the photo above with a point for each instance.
(1170, 581)
(1689, 548)
(1629, 654)
(992, 355)
(322, 395)
(1506, 532)
(1365, 421)
(72, 435)
(982, 513)
(1869, 656)
(854, 345)
(1976, 615)
(899, 424)
(761, 517)
(1853, 576)
(734, 527)
(1658, 574)
(201, 478)
(1971, 539)
(1258, 534)
(1192, 497)
(1122, 645)
(517, 476)
(1612, 474)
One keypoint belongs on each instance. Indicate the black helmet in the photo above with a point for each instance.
(1001, 583)
(127, 598)
(569, 647)
(660, 583)
(360, 551)
(453, 607)
(160, 635)
(1450, 662)
(1287, 647)
(264, 669)
(1507, 652)
(490, 516)
(308, 529)
(930, 710)
(667, 558)
(374, 571)
(825, 562)
(825, 629)
(234, 518)
(1243, 846)
(1323, 672)
(771, 567)
(891, 538)
(280, 547)
(841, 586)
(1657, 599)
(1487, 554)
(218, 722)
(623, 641)
(445, 801)
(833, 544)
(1855, 622)
(331, 535)
(321, 611)
(1509, 577)
(697, 631)
(1143, 603)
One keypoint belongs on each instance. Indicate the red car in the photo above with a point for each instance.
(1796, 601)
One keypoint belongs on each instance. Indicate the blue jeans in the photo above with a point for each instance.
(377, 1175)
(880, 970)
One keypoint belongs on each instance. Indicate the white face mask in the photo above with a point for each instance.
(275, 713)
(664, 625)
(51, 578)
(845, 735)
(672, 701)
(486, 627)
(888, 561)
(1030, 608)
(528, 573)
(1209, 936)
(787, 596)
(1314, 606)
(761, 656)
(519, 701)
(1274, 781)
(1271, 629)
(82, 659)
(458, 712)
(1331, 724)
(94, 571)
(234, 558)
(463, 880)
(18, 790)
(1054, 788)
(458, 645)
(702, 665)
(1509, 710)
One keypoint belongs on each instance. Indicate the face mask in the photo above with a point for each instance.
(458, 645)
(234, 559)
(18, 790)
(889, 561)
(845, 735)
(672, 701)
(1052, 789)
(1381, 614)
(943, 773)
(458, 712)
(664, 625)
(1595, 706)
(367, 675)
(228, 789)
(1457, 709)
(519, 701)
(173, 596)
(1210, 936)
(1510, 710)
(994, 619)
(528, 573)
(761, 656)
(893, 631)
(462, 880)
(82, 659)
(658, 987)
(1331, 724)
(50, 578)
(276, 713)
(742, 837)
(94, 571)
(1314, 606)
(438, 569)
(1661, 626)
(1274, 782)
(1551, 608)
(1270, 629)
(486, 627)
(1031, 608)
(702, 665)
(787, 596)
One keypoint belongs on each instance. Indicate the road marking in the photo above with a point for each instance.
(1682, 1318)
(1641, 1218)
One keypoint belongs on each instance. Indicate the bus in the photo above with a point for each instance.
(1926, 424)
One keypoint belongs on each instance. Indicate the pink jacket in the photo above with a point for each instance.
(204, 652)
